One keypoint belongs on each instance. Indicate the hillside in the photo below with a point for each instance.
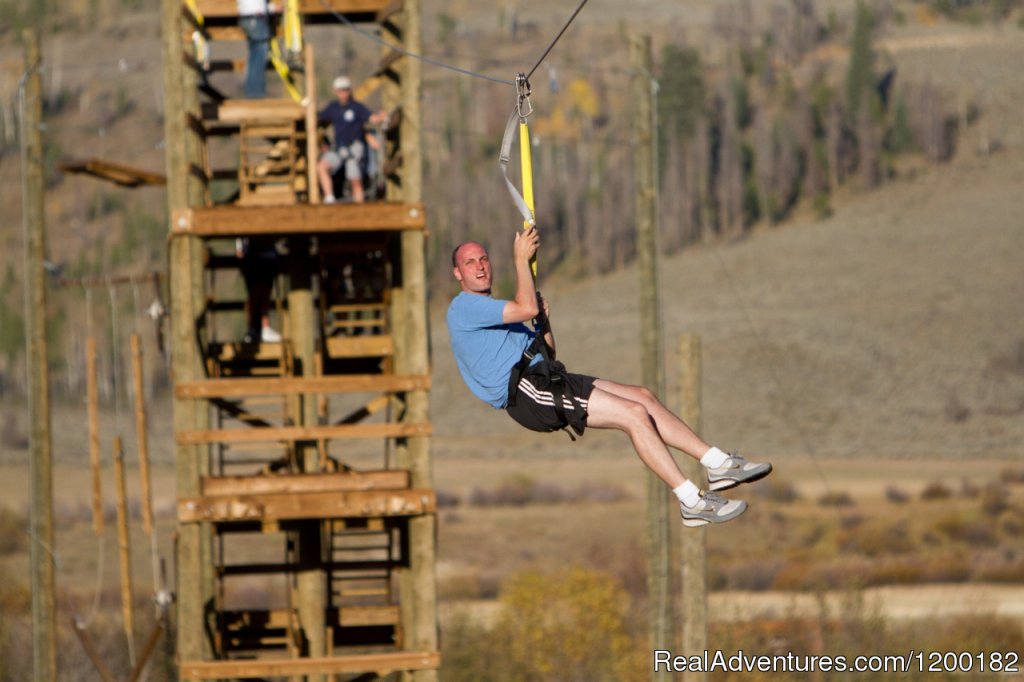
(892, 328)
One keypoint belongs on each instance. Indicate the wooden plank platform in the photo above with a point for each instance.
(354, 383)
(375, 663)
(275, 109)
(285, 484)
(346, 617)
(369, 346)
(235, 508)
(228, 9)
(240, 221)
(294, 433)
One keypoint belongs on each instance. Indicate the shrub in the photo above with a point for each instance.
(571, 620)
(447, 499)
(876, 539)
(995, 499)
(776, 490)
(13, 536)
(1012, 476)
(896, 495)
(836, 498)
(935, 491)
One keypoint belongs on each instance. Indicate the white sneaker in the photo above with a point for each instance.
(329, 199)
(711, 508)
(269, 335)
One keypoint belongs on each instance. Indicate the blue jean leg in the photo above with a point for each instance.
(257, 33)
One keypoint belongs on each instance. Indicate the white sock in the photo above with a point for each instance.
(688, 494)
(713, 458)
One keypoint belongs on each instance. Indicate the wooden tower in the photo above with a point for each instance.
(306, 528)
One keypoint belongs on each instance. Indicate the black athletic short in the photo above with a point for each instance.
(534, 403)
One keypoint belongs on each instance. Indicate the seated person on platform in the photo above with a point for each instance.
(349, 119)
(260, 264)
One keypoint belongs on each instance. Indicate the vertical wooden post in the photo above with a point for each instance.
(185, 360)
(694, 547)
(418, 583)
(44, 623)
(141, 436)
(124, 550)
(658, 535)
(95, 465)
(312, 134)
(311, 579)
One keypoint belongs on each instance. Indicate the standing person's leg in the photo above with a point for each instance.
(257, 33)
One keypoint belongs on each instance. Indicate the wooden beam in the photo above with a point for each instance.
(352, 383)
(237, 110)
(228, 9)
(294, 433)
(118, 173)
(346, 617)
(329, 505)
(234, 221)
(346, 481)
(376, 663)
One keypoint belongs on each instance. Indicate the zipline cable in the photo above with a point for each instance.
(558, 37)
(399, 48)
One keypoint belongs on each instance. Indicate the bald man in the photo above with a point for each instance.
(511, 367)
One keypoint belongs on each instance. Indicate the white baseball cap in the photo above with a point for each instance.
(342, 83)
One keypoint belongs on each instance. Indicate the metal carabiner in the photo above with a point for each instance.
(523, 105)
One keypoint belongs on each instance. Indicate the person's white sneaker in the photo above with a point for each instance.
(711, 508)
(736, 470)
(270, 335)
(329, 199)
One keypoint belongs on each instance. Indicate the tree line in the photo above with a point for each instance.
(796, 110)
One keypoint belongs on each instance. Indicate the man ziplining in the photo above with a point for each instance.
(511, 367)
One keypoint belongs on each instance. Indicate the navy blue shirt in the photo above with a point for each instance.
(349, 121)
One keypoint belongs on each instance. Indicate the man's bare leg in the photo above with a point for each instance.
(673, 430)
(607, 410)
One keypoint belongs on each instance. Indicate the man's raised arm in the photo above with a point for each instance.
(524, 306)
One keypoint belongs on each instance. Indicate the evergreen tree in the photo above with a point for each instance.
(681, 91)
(860, 75)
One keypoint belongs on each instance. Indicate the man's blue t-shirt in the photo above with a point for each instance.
(486, 349)
(349, 121)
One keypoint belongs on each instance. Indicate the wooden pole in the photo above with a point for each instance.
(312, 133)
(124, 550)
(658, 536)
(141, 434)
(95, 464)
(311, 579)
(185, 363)
(44, 623)
(694, 548)
(419, 582)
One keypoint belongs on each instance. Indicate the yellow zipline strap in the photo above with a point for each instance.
(524, 201)
(198, 39)
(292, 28)
(281, 66)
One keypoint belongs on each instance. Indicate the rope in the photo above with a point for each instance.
(423, 58)
(558, 37)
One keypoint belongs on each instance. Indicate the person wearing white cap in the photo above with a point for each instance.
(348, 118)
